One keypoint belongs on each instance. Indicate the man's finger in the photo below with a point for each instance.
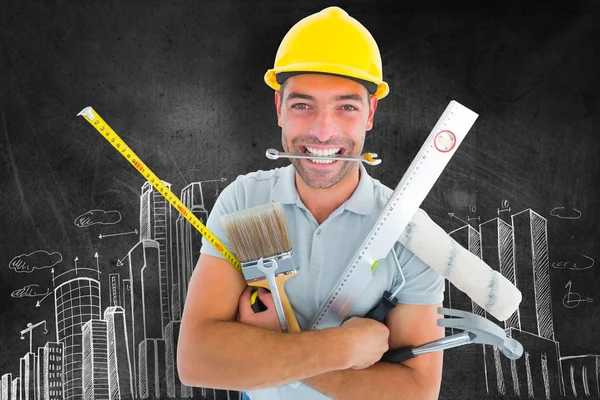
(244, 302)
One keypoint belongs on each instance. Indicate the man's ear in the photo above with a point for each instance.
(374, 102)
(277, 99)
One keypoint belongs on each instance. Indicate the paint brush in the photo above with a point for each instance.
(260, 240)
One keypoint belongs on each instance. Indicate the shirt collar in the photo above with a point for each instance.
(361, 201)
(284, 190)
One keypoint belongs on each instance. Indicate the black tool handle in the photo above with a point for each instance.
(378, 313)
(256, 304)
(398, 355)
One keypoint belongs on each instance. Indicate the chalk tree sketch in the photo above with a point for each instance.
(519, 251)
(38, 259)
(100, 217)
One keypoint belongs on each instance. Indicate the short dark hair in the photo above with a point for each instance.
(281, 95)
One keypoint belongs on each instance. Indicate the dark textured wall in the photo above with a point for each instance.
(182, 83)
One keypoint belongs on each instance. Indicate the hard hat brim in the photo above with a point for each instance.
(282, 76)
(327, 68)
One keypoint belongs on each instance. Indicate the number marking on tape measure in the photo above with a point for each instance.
(111, 136)
(419, 178)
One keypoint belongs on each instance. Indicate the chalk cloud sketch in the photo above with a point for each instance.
(573, 266)
(94, 217)
(32, 290)
(560, 212)
(39, 259)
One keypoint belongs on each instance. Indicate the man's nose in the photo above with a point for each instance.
(325, 126)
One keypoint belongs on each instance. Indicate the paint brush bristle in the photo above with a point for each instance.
(257, 232)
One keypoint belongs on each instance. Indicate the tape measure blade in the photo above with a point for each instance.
(119, 144)
(417, 181)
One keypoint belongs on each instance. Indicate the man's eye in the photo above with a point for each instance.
(349, 107)
(300, 106)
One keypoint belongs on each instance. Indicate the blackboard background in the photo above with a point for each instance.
(181, 82)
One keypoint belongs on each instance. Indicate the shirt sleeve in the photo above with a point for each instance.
(226, 203)
(422, 285)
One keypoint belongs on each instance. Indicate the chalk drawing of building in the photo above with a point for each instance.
(16, 389)
(497, 252)
(582, 375)
(95, 360)
(22, 368)
(120, 372)
(28, 376)
(175, 389)
(127, 300)
(189, 240)
(519, 251)
(77, 301)
(152, 366)
(155, 224)
(114, 285)
(51, 371)
(539, 370)
(533, 272)
(471, 358)
(6, 389)
(141, 297)
(188, 244)
(39, 374)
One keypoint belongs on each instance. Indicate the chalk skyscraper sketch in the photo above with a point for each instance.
(520, 252)
(120, 368)
(533, 272)
(95, 360)
(189, 239)
(77, 301)
(155, 224)
(51, 387)
(140, 261)
(6, 389)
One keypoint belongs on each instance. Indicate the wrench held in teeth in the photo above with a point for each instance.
(367, 158)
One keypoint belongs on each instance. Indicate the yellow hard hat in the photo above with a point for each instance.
(330, 42)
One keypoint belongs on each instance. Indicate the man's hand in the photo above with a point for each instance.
(266, 319)
(367, 339)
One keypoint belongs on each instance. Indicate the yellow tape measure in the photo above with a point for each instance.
(107, 133)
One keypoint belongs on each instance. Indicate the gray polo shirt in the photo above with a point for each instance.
(322, 252)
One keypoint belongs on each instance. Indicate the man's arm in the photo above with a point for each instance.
(418, 378)
(216, 351)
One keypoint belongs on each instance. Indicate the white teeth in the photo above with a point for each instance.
(323, 152)
(321, 161)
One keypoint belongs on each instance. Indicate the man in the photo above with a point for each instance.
(327, 80)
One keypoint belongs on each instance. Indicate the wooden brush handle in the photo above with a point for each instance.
(285, 302)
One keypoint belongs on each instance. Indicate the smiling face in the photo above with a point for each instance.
(324, 115)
